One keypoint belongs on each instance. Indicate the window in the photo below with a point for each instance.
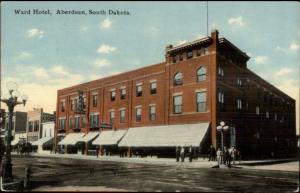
(220, 71)
(111, 116)
(180, 57)
(178, 79)
(221, 100)
(267, 115)
(201, 101)
(77, 122)
(122, 116)
(174, 59)
(190, 54)
(36, 125)
(82, 121)
(72, 104)
(62, 124)
(30, 126)
(123, 93)
(75, 104)
(71, 123)
(94, 120)
(62, 106)
(275, 116)
(239, 82)
(239, 104)
(138, 114)
(201, 74)
(205, 50)
(84, 102)
(153, 86)
(152, 113)
(257, 110)
(112, 95)
(94, 100)
(139, 90)
(199, 52)
(177, 101)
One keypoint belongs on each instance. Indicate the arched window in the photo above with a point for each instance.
(201, 74)
(178, 78)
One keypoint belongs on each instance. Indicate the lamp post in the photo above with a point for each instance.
(221, 128)
(11, 102)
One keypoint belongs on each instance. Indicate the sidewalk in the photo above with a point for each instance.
(291, 164)
(199, 163)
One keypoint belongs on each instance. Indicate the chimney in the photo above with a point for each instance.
(215, 34)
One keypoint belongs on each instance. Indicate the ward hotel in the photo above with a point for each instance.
(179, 102)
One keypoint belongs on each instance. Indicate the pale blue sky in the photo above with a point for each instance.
(43, 53)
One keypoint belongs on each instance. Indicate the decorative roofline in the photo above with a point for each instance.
(224, 40)
(170, 48)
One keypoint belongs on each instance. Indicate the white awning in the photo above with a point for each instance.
(90, 136)
(42, 141)
(109, 137)
(18, 137)
(165, 135)
(71, 139)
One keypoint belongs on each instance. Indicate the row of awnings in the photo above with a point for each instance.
(150, 136)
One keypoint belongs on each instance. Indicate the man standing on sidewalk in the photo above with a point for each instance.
(177, 153)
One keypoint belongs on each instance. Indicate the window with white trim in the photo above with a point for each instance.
(138, 114)
(178, 79)
(112, 116)
(122, 116)
(177, 101)
(201, 74)
(152, 113)
(139, 90)
(201, 101)
(153, 86)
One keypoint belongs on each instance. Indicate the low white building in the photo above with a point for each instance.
(45, 143)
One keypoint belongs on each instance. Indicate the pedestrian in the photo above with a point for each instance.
(229, 152)
(177, 153)
(190, 153)
(97, 151)
(182, 154)
(213, 154)
(219, 156)
(233, 155)
(210, 153)
(226, 154)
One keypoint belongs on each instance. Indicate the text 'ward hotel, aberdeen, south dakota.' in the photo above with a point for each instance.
(179, 102)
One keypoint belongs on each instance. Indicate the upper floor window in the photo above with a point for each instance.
(77, 126)
(275, 116)
(190, 54)
(267, 114)
(221, 100)
(36, 125)
(220, 71)
(93, 120)
(138, 114)
(71, 124)
(82, 121)
(257, 110)
(153, 86)
(201, 101)
(239, 82)
(205, 50)
(72, 104)
(30, 126)
(178, 78)
(62, 106)
(239, 104)
(112, 95)
(94, 100)
(201, 74)
(177, 101)
(174, 59)
(84, 102)
(139, 90)
(122, 116)
(180, 57)
(123, 93)
(152, 113)
(112, 116)
(62, 124)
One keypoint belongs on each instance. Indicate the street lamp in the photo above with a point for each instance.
(221, 128)
(11, 101)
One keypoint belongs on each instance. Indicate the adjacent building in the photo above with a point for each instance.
(35, 119)
(183, 98)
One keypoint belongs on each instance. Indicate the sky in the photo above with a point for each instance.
(44, 53)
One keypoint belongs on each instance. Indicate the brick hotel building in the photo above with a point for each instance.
(181, 99)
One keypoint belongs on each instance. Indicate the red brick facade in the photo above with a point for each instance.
(209, 53)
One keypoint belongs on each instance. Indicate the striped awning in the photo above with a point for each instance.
(90, 136)
(71, 139)
(109, 137)
(43, 141)
(165, 135)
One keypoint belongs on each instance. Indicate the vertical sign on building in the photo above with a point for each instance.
(232, 136)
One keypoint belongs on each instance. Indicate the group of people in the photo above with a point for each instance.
(229, 157)
(182, 152)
